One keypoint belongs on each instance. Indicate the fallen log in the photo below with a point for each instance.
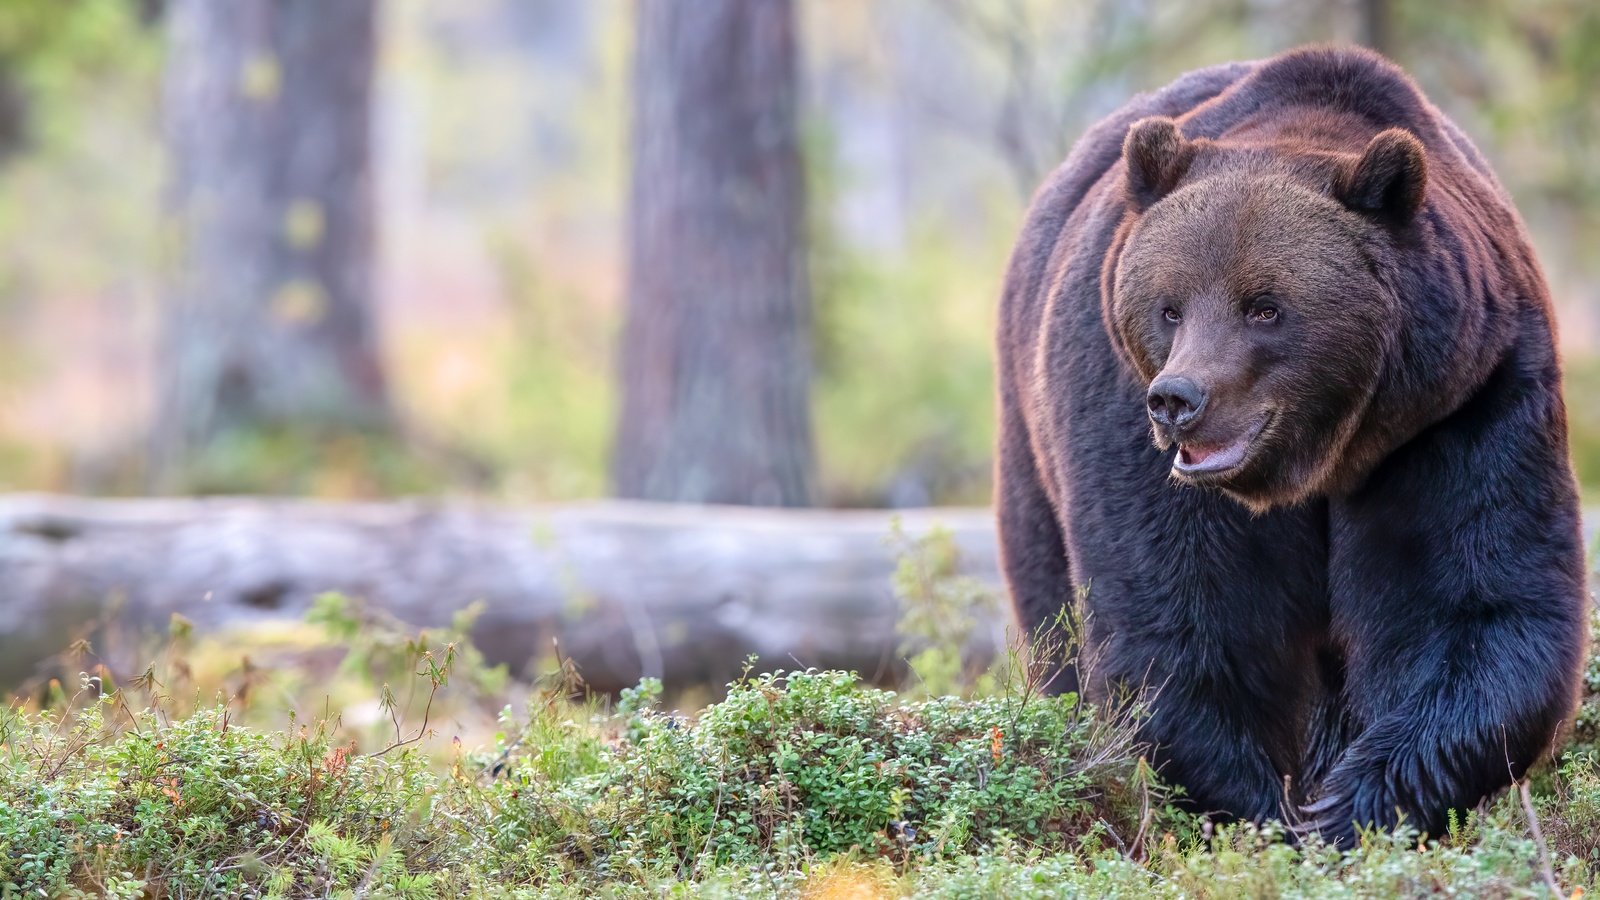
(685, 593)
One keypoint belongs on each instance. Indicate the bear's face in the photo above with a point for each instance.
(1248, 300)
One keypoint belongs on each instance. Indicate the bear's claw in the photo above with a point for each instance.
(1332, 817)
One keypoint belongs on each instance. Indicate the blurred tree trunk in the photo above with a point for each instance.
(268, 323)
(14, 111)
(1376, 26)
(151, 11)
(716, 351)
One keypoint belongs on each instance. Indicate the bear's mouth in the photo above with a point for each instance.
(1196, 460)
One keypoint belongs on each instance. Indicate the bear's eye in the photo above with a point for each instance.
(1171, 315)
(1264, 312)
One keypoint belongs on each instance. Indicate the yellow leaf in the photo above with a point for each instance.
(260, 78)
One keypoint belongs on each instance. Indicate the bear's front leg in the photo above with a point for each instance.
(1457, 591)
(1219, 756)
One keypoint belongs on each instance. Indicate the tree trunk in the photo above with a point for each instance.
(1376, 26)
(716, 364)
(15, 114)
(269, 320)
(629, 589)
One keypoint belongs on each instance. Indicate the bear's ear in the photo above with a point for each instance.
(1157, 156)
(1389, 179)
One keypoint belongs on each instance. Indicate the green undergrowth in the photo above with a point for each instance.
(786, 772)
(970, 783)
(801, 783)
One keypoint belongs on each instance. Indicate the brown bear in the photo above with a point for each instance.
(1280, 401)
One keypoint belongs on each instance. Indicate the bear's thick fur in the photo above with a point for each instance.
(1348, 568)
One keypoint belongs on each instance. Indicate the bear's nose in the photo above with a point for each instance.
(1175, 401)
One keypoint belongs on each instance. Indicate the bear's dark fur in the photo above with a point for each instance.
(1348, 568)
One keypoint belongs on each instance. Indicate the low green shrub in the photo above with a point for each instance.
(803, 765)
(198, 807)
(798, 783)
(789, 769)
(801, 783)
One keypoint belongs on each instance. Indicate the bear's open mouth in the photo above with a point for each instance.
(1214, 459)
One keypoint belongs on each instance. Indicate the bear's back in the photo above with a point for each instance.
(1357, 85)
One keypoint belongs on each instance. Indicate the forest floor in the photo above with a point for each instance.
(193, 779)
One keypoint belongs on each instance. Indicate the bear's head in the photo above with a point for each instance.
(1250, 295)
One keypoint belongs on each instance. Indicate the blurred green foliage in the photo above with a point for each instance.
(941, 612)
(552, 429)
(79, 177)
(50, 48)
(333, 463)
(1583, 420)
(904, 392)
